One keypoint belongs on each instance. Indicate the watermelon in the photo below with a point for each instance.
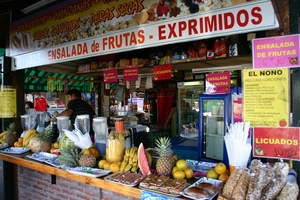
(143, 161)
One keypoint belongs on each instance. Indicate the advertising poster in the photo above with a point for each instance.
(279, 143)
(276, 52)
(8, 99)
(266, 97)
(218, 83)
(162, 72)
(110, 75)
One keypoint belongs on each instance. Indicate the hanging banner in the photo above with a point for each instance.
(266, 97)
(110, 75)
(8, 99)
(217, 83)
(130, 73)
(162, 72)
(80, 29)
(276, 52)
(279, 143)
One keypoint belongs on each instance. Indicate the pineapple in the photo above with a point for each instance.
(165, 163)
(11, 137)
(87, 160)
(46, 136)
(70, 156)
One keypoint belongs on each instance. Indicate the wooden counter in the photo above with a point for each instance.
(22, 160)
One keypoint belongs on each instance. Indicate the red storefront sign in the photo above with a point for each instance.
(218, 83)
(162, 72)
(277, 143)
(130, 73)
(110, 75)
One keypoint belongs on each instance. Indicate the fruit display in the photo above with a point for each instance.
(220, 172)
(115, 146)
(181, 170)
(165, 163)
(31, 133)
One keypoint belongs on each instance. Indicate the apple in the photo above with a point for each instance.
(282, 123)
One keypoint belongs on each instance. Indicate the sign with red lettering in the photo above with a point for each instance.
(65, 32)
(217, 83)
(270, 142)
(162, 72)
(130, 73)
(110, 75)
(276, 52)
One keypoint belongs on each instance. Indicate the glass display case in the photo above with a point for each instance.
(214, 114)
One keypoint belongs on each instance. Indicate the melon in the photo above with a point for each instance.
(35, 144)
(143, 160)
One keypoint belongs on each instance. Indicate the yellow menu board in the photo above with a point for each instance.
(8, 99)
(266, 97)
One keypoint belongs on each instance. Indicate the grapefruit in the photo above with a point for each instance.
(179, 174)
(114, 167)
(223, 177)
(188, 173)
(106, 165)
(220, 168)
(212, 174)
(181, 164)
(174, 169)
(101, 163)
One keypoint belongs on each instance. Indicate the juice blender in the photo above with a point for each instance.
(25, 122)
(100, 129)
(62, 123)
(82, 122)
(41, 117)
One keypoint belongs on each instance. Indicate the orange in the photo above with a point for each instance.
(16, 144)
(223, 177)
(94, 152)
(20, 144)
(220, 168)
(56, 145)
(52, 150)
(20, 140)
(188, 173)
(212, 174)
(179, 174)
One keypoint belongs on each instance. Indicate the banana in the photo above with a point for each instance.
(128, 167)
(131, 152)
(3, 134)
(135, 157)
(135, 164)
(123, 165)
(134, 169)
(130, 161)
(28, 134)
(127, 151)
(28, 138)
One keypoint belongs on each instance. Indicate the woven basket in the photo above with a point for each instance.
(220, 192)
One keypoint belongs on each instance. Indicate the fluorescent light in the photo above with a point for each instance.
(224, 68)
(36, 6)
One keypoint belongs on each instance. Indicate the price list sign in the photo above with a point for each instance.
(270, 142)
(8, 99)
(266, 97)
(276, 52)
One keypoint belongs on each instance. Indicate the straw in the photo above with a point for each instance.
(238, 150)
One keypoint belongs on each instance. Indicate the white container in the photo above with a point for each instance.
(220, 127)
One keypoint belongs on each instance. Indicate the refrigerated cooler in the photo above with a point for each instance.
(214, 114)
(186, 144)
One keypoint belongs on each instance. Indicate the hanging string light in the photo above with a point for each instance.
(50, 83)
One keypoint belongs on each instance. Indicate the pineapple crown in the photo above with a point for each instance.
(46, 134)
(70, 156)
(163, 146)
(11, 128)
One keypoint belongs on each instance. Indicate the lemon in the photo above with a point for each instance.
(212, 174)
(101, 163)
(86, 151)
(179, 174)
(181, 164)
(188, 173)
(174, 169)
(106, 165)
(114, 167)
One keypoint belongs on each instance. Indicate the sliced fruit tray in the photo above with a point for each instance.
(88, 171)
(126, 178)
(45, 157)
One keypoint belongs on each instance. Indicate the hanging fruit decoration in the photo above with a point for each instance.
(59, 84)
(66, 88)
(50, 83)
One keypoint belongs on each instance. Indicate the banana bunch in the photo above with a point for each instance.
(31, 133)
(130, 161)
(2, 136)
